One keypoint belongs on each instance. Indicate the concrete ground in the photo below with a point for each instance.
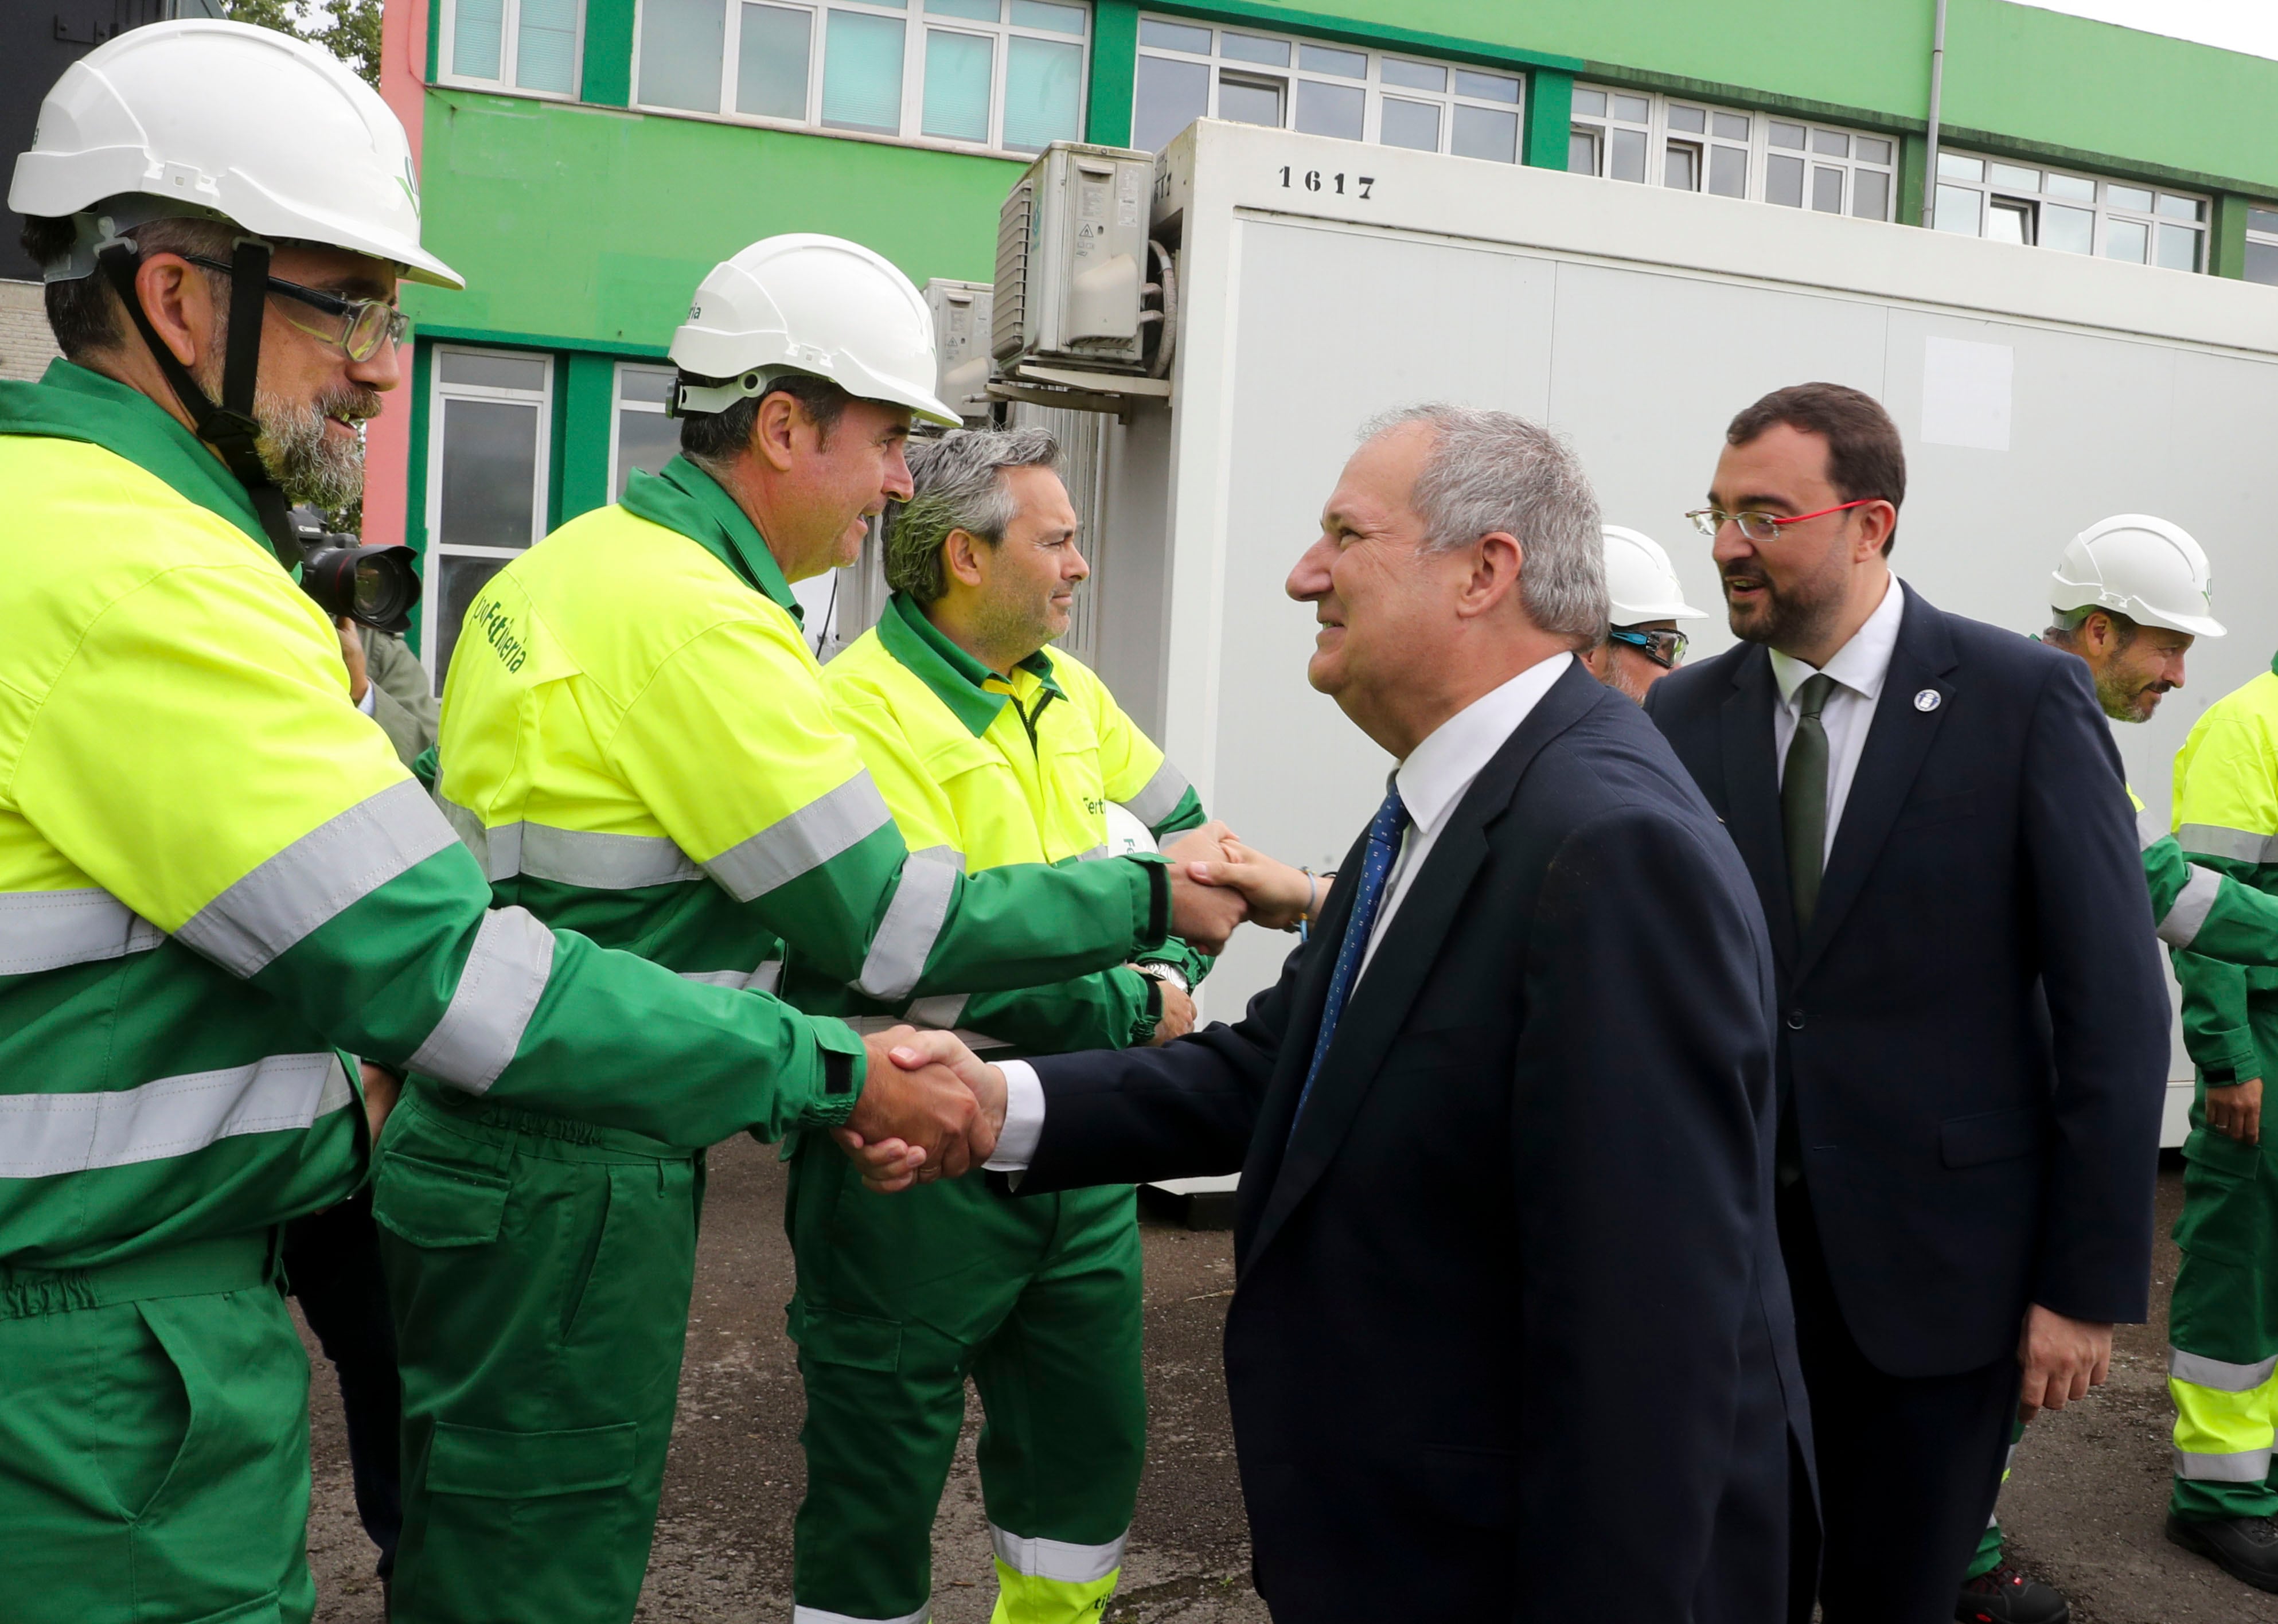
(2084, 1510)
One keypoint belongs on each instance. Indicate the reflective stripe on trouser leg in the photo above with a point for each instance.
(540, 1286)
(2224, 1415)
(119, 1498)
(2222, 1367)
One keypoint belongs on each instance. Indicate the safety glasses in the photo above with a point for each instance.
(1758, 525)
(1662, 647)
(359, 327)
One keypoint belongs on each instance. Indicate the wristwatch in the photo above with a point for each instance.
(1160, 972)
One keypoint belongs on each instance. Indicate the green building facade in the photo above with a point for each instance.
(584, 163)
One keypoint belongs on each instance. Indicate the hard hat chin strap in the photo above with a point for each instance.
(230, 427)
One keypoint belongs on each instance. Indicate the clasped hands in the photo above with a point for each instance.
(930, 1108)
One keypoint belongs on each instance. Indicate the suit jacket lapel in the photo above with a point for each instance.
(1410, 946)
(1896, 746)
(1752, 808)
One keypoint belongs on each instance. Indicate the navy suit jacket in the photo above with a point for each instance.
(1975, 1029)
(1510, 1334)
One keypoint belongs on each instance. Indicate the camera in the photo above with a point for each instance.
(372, 586)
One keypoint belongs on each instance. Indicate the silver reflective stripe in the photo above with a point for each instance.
(46, 930)
(2247, 1465)
(760, 981)
(2149, 830)
(44, 1134)
(2201, 1371)
(2188, 911)
(816, 1615)
(1055, 1558)
(871, 1026)
(505, 974)
(912, 922)
(810, 837)
(1094, 855)
(2211, 840)
(945, 1011)
(1159, 797)
(587, 857)
(333, 865)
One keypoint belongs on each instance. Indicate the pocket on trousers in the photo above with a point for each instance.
(492, 1464)
(1990, 1136)
(2226, 1217)
(431, 1205)
(260, 1610)
(857, 1340)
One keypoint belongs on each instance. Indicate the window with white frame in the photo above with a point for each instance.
(2075, 214)
(1188, 71)
(486, 477)
(1694, 146)
(644, 437)
(1003, 74)
(513, 44)
(2262, 244)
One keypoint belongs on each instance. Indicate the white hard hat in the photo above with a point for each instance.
(809, 303)
(1641, 585)
(1125, 835)
(221, 119)
(2143, 568)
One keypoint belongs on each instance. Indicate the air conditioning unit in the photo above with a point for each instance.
(960, 341)
(1071, 259)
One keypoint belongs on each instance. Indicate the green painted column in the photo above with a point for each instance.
(585, 426)
(1549, 114)
(2227, 236)
(1914, 166)
(608, 78)
(415, 474)
(1114, 67)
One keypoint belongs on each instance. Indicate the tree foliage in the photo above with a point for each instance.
(347, 28)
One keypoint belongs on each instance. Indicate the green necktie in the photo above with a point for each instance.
(1803, 800)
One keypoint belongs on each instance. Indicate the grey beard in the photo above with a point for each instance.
(302, 459)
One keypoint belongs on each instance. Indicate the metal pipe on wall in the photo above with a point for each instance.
(1936, 88)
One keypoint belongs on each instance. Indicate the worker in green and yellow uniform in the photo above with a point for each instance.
(217, 883)
(636, 742)
(988, 745)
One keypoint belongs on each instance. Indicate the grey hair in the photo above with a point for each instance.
(2064, 626)
(1490, 471)
(957, 483)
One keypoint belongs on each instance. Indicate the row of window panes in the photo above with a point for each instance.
(2075, 214)
(1625, 135)
(1187, 71)
(528, 44)
(999, 73)
(2262, 244)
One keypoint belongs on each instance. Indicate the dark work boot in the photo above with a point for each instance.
(2007, 1596)
(2246, 1548)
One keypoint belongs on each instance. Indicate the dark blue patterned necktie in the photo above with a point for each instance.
(1375, 868)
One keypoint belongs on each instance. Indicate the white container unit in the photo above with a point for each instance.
(1323, 281)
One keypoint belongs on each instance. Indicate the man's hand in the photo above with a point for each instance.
(381, 1090)
(2062, 1359)
(1279, 896)
(925, 1110)
(352, 653)
(1177, 1013)
(1202, 916)
(2237, 1111)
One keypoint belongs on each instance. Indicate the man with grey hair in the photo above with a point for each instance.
(988, 745)
(1485, 1153)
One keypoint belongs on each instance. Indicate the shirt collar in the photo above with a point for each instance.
(71, 402)
(957, 679)
(1438, 771)
(1860, 664)
(682, 496)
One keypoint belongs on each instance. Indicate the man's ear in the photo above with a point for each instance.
(1877, 520)
(1496, 560)
(179, 301)
(774, 428)
(960, 557)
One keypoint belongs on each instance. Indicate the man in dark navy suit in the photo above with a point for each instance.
(1510, 1339)
(1971, 1060)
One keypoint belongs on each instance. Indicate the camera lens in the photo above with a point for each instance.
(385, 588)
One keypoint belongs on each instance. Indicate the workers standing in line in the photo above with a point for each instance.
(217, 883)
(987, 744)
(636, 742)
(1642, 644)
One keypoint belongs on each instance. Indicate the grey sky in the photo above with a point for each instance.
(2236, 24)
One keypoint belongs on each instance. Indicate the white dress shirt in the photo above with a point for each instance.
(1431, 782)
(1858, 669)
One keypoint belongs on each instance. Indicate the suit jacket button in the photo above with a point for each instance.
(1795, 1020)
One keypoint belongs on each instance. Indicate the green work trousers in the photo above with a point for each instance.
(2222, 1326)
(540, 1270)
(900, 1299)
(154, 1442)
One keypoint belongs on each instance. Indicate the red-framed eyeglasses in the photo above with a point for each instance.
(1758, 525)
